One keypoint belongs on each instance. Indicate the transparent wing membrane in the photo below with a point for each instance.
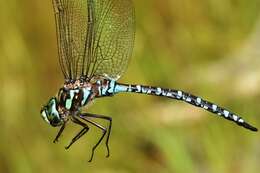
(95, 37)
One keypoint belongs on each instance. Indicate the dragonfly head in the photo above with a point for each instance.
(50, 113)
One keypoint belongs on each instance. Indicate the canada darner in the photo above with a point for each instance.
(95, 40)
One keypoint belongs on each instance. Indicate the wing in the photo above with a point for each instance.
(95, 37)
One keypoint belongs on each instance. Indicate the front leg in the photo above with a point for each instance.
(59, 133)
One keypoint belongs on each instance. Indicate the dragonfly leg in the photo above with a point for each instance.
(59, 133)
(81, 133)
(109, 127)
(86, 117)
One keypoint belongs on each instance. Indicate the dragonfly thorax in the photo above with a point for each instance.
(72, 96)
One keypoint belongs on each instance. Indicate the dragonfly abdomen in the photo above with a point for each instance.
(186, 97)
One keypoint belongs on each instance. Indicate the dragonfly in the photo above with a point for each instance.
(95, 41)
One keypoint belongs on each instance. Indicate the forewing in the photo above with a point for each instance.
(95, 37)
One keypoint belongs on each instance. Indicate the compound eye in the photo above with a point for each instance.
(44, 116)
(55, 119)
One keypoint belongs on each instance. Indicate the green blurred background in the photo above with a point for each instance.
(210, 48)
